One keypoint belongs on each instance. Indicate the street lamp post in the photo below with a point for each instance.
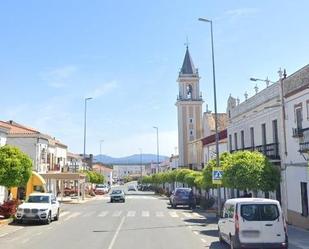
(282, 76)
(155, 127)
(85, 125)
(215, 105)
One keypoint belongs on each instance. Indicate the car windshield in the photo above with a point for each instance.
(115, 192)
(259, 212)
(182, 192)
(100, 186)
(38, 199)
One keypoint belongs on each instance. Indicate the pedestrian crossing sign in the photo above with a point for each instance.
(217, 175)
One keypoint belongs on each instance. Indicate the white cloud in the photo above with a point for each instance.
(103, 89)
(59, 77)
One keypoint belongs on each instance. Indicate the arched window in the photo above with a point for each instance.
(189, 91)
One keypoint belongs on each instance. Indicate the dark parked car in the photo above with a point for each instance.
(182, 197)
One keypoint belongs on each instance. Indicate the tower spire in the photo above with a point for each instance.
(187, 65)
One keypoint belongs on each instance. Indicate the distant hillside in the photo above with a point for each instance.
(133, 159)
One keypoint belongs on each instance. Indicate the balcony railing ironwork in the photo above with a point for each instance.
(297, 132)
(269, 150)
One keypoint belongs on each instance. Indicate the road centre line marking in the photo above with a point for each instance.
(203, 240)
(145, 213)
(102, 214)
(73, 215)
(116, 233)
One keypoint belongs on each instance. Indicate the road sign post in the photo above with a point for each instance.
(217, 175)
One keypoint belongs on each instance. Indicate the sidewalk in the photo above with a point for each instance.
(70, 200)
(298, 238)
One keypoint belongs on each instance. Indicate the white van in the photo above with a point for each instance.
(253, 223)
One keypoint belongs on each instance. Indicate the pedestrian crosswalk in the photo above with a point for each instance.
(67, 215)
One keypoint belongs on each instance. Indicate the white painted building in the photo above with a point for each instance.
(296, 93)
(74, 162)
(256, 124)
(122, 170)
(174, 159)
(3, 137)
(30, 141)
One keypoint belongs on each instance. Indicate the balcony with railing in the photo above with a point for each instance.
(297, 132)
(304, 141)
(271, 151)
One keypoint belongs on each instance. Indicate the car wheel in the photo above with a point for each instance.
(124, 201)
(48, 220)
(112, 200)
(57, 216)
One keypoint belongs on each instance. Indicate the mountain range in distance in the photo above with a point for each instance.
(133, 159)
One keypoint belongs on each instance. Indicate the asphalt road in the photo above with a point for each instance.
(144, 221)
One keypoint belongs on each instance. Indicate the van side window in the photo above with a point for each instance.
(230, 211)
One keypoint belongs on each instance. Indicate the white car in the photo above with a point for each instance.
(42, 207)
(253, 223)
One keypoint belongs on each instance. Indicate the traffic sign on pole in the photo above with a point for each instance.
(217, 175)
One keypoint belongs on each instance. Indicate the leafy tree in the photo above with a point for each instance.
(190, 178)
(181, 173)
(250, 170)
(94, 177)
(15, 167)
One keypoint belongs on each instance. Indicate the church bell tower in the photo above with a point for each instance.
(189, 107)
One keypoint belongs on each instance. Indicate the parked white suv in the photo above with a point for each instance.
(253, 223)
(42, 207)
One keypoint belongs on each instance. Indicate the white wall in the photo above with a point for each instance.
(32, 147)
(3, 138)
(61, 153)
(209, 150)
(296, 165)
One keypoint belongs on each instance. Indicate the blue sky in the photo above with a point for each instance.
(127, 54)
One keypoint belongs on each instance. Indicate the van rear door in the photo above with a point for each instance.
(261, 223)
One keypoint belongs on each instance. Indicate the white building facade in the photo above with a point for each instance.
(256, 124)
(296, 103)
(123, 170)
